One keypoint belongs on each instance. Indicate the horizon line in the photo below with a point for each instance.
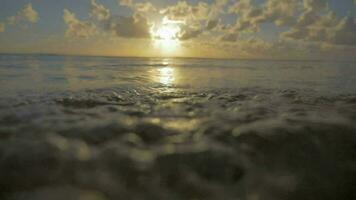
(177, 57)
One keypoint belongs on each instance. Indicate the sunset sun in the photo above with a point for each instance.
(167, 32)
(166, 36)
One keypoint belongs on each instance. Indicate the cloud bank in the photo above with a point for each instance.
(306, 24)
(296, 27)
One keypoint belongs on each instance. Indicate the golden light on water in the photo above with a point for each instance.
(166, 75)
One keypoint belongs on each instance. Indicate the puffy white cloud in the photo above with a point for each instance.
(314, 4)
(218, 8)
(309, 21)
(198, 18)
(312, 12)
(77, 28)
(2, 27)
(281, 12)
(186, 12)
(27, 14)
(136, 26)
(240, 6)
(99, 12)
(314, 25)
(315, 30)
(249, 16)
(144, 7)
(190, 32)
(138, 7)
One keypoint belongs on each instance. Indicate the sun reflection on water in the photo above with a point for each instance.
(166, 75)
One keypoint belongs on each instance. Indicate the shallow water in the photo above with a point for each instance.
(153, 128)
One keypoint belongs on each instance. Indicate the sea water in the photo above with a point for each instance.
(80, 127)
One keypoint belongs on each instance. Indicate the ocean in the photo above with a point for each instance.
(107, 128)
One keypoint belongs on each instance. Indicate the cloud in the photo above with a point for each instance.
(244, 47)
(136, 26)
(314, 30)
(2, 27)
(77, 28)
(218, 8)
(211, 24)
(240, 6)
(280, 12)
(188, 32)
(99, 12)
(138, 7)
(312, 12)
(145, 7)
(308, 21)
(314, 4)
(27, 14)
(249, 15)
(184, 12)
(229, 37)
(197, 19)
(314, 25)
(254, 45)
(311, 28)
(202, 17)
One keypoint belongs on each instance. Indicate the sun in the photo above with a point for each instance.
(167, 32)
(166, 36)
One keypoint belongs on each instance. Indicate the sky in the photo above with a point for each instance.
(252, 29)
